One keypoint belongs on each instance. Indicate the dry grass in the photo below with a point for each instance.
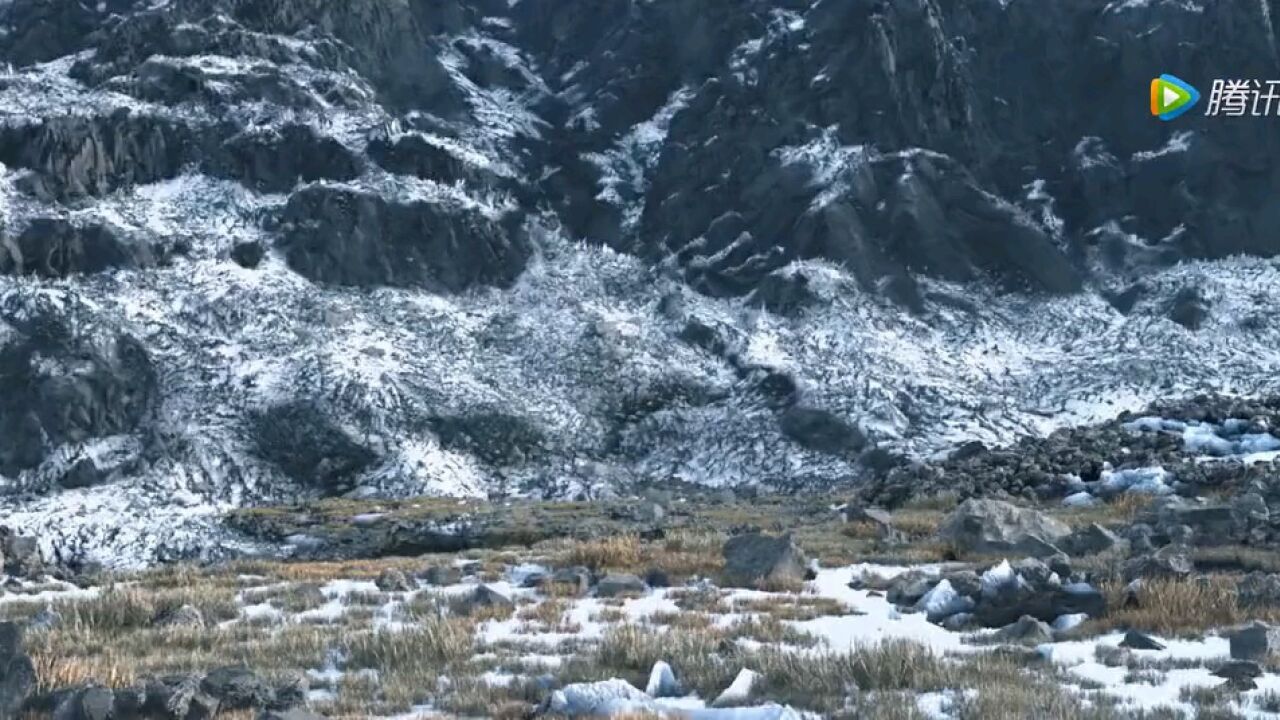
(1184, 607)
(1121, 510)
(792, 607)
(682, 554)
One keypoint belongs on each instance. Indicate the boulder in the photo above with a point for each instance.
(17, 673)
(1170, 561)
(1026, 630)
(1189, 308)
(755, 559)
(237, 688)
(1258, 590)
(1255, 641)
(441, 575)
(90, 703)
(1239, 674)
(180, 697)
(907, 588)
(616, 585)
(995, 527)
(393, 580)
(1135, 640)
(185, 616)
(486, 597)
(1093, 539)
(248, 254)
(577, 580)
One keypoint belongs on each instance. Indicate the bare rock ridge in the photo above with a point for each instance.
(264, 251)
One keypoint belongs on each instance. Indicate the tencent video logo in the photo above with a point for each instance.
(1171, 97)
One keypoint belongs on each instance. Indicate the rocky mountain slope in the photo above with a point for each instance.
(263, 251)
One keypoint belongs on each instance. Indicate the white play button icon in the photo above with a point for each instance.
(1170, 97)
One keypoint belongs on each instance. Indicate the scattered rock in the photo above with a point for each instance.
(17, 673)
(995, 527)
(1255, 641)
(248, 254)
(1093, 539)
(1135, 640)
(1240, 674)
(1189, 308)
(184, 616)
(1170, 561)
(441, 575)
(1025, 630)
(237, 688)
(486, 597)
(393, 580)
(1258, 590)
(755, 559)
(616, 585)
(942, 601)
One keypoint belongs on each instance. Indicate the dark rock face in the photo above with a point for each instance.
(415, 155)
(54, 248)
(495, 438)
(308, 448)
(822, 431)
(348, 237)
(276, 160)
(81, 156)
(87, 392)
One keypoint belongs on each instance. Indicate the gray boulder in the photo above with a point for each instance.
(393, 580)
(1026, 630)
(907, 588)
(186, 616)
(1092, 539)
(616, 585)
(756, 559)
(1240, 674)
(1255, 641)
(1170, 561)
(1258, 590)
(441, 575)
(17, 673)
(1135, 640)
(90, 703)
(487, 597)
(995, 527)
(238, 688)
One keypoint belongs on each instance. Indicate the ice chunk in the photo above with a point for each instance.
(662, 681)
(1080, 499)
(943, 601)
(1066, 622)
(738, 692)
(602, 698)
